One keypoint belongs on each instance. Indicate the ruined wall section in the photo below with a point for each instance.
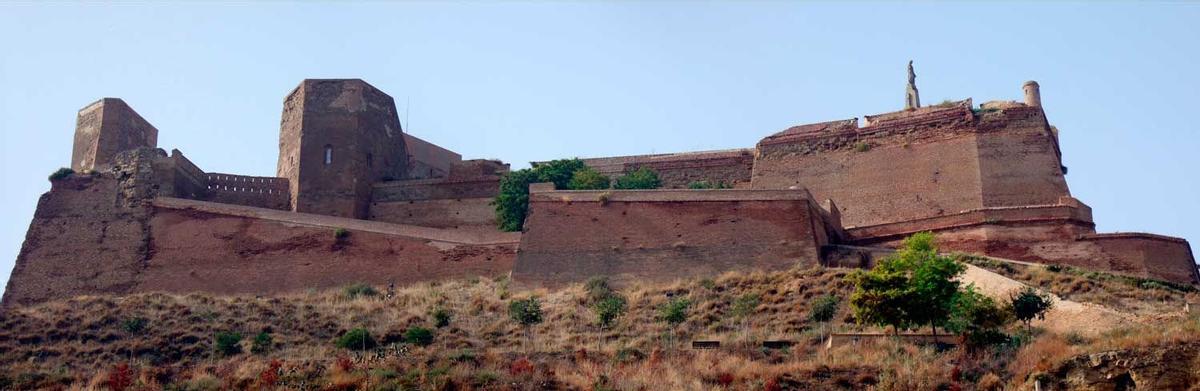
(105, 128)
(660, 235)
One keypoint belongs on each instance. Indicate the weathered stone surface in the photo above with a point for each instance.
(336, 138)
(1175, 367)
(105, 128)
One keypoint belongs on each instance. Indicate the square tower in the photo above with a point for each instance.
(105, 128)
(336, 138)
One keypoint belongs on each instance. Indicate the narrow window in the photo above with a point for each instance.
(328, 154)
(370, 161)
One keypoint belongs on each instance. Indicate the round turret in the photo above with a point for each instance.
(1033, 94)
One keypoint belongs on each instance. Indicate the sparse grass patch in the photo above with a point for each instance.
(356, 290)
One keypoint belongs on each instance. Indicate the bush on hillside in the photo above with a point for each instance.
(356, 339)
(419, 336)
(227, 343)
(674, 311)
(441, 318)
(359, 289)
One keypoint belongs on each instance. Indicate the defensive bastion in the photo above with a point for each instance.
(355, 199)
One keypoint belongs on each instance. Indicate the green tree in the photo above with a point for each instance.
(823, 310)
(642, 178)
(1030, 303)
(674, 311)
(933, 280)
(559, 172)
(978, 318)
(913, 287)
(880, 297)
(512, 202)
(744, 306)
(588, 178)
(527, 312)
(609, 309)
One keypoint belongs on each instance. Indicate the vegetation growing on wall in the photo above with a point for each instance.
(512, 202)
(642, 178)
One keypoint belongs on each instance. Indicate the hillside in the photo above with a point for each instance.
(158, 341)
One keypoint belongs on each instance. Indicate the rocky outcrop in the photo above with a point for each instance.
(1172, 367)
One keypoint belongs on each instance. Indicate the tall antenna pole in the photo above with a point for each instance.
(407, 125)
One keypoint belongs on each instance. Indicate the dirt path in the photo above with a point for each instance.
(1085, 318)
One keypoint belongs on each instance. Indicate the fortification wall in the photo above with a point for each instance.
(104, 235)
(439, 213)
(434, 189)
(262, 192)
(676, 170)
(914, 165)
(661, 235)
(427, 160)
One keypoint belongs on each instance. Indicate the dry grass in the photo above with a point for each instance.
(1121, 293)
(77, 343)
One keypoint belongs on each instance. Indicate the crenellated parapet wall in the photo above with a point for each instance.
(257, 191)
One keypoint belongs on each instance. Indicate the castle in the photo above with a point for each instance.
(355, 199)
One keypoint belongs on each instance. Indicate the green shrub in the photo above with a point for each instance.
(699, 185)
(862, 147)
(227, 343)
(1030, 303)
(708, 283)
(609, 309)
(527, 312)
(823, 309)
(560, 172)
(441, 318)
(674, 311)
(356, 339)
(340, 233)
(597, 289)
(359, 289)
(419, 336)
(134, 325)
(262, 343)
(1055, 268)
(642, 178)
(61, 173)
(512, 202)
(588, 178)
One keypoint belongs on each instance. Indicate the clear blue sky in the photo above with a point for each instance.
(533, 81)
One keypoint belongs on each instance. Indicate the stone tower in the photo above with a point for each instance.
(1033, 94)
(105, 128)
(338, 137)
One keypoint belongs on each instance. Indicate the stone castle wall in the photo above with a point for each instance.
(660, 235)
(99, 234)
(262, 192)
(931, 162)
(677, 170)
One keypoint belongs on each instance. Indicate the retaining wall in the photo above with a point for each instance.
(660, 235)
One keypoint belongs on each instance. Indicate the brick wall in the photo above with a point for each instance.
(677, 170)
(95, 235)
(434, 189)
(439, 213)
(262, 192)
(913, 165)
(659, 235)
